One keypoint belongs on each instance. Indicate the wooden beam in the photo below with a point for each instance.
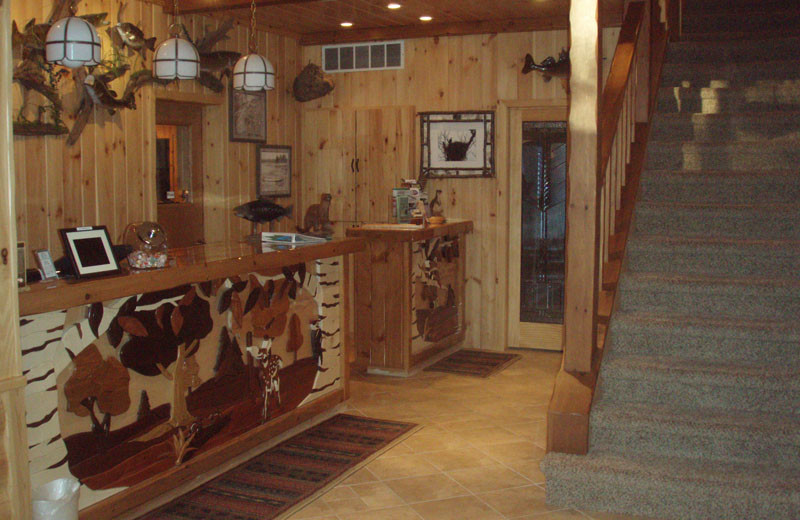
(210, 6)
(581, 285)
(433, 30)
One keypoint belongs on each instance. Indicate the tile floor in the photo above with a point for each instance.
(475, 458)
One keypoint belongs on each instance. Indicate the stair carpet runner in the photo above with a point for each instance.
(697, 408)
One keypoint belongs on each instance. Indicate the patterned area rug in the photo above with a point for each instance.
(477, 363)
(279, 480)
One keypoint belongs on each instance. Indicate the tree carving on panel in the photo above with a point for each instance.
(205, 362)
(435, 283)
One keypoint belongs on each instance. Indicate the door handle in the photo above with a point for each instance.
(352, 168)
(357, 167)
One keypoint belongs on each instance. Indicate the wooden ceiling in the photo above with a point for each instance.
(315, 22)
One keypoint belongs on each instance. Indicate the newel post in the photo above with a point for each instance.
(582, 269)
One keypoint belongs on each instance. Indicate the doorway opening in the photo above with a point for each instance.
(179, 171)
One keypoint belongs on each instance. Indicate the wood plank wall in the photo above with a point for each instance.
(108, 176)
(480, 72)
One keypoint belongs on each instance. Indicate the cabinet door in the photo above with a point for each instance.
(328, 164)
(358, 156)
(385, 146)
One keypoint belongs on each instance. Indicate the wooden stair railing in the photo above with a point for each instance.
(622, 144)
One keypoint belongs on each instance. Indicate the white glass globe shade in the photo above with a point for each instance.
(176, 58)
(253, 72)
(72, 42)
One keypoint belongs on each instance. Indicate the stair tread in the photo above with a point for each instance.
(776, 328)
(654, 173)
(761, 477)
(678, 279)
(767, 207)
(649, 240)
(722, 373)
(699, 421)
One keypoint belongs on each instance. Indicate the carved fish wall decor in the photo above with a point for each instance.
(126, 34)
(103, 96)
(261, 211)
(549, 67)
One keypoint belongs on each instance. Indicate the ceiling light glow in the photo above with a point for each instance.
(426, 18)
(346, 24)
(394, 5)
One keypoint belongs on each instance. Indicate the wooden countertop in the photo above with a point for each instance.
(187, 265)
(410, 232)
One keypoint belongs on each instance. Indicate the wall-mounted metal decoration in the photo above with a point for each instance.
(457, 144)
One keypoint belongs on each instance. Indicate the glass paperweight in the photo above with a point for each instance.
(149, 243)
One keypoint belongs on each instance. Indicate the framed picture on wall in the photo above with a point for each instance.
(89, 251)
(274, 174)
(247, 116)
(457, 144)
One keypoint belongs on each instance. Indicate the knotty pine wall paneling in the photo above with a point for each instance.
(108, 176)
(477, 72)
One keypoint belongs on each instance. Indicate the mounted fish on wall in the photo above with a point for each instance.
(92, 83)
(550, 68)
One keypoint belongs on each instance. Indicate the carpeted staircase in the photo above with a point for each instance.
(697, 410)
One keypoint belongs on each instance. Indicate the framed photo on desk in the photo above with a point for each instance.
(89, 251)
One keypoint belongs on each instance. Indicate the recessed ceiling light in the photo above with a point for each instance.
(394, 5)
(426, 18)
(346, 24)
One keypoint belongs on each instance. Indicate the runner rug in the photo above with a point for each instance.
(477, 363)
(282, 479)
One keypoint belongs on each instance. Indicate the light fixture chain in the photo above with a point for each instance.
(252, 43)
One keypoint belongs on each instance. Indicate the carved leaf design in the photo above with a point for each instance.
(252, 300)
(287, 272)
(293, 290)
(295, 334)
(206, 288)
(176, 320)
(132, 326)
(270, 292)
(188, 297)
(114, 333)
(127, 307)
(277, 325)
(236, 310)
(225, 301)
(95, 317)
(301, 272)
(161, 313)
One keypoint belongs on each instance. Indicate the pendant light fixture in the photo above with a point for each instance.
(176, 58)
(72, 42)
(254, 71)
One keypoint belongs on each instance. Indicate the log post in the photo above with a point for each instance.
(582, 269)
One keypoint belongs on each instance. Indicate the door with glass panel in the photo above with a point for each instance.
(539, 172)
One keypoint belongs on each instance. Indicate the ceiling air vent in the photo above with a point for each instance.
(363, 56)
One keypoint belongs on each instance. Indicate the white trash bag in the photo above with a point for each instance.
(57, 500)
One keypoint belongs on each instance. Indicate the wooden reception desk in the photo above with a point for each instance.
(409, 294)
(138, 383)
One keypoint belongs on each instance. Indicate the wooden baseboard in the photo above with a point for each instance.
(151, 488)
(421, 357)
